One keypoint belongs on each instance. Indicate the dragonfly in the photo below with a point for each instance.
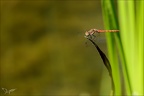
(90, 34)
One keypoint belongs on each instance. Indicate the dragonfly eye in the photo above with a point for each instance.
(86, 33)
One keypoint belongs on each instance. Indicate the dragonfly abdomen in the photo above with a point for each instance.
(107, 30)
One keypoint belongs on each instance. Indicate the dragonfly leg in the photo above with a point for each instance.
(88, 36)
(93, 36)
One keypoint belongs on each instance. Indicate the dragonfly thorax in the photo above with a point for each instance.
(90, 33)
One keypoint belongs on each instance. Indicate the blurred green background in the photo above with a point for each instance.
(44, 52)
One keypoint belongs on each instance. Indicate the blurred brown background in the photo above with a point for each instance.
(44, 52)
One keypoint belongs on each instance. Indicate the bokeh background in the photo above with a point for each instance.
(44, 52)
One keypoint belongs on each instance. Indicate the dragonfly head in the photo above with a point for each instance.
(87, 34)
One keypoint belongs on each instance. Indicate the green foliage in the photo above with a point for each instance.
(129, 41)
